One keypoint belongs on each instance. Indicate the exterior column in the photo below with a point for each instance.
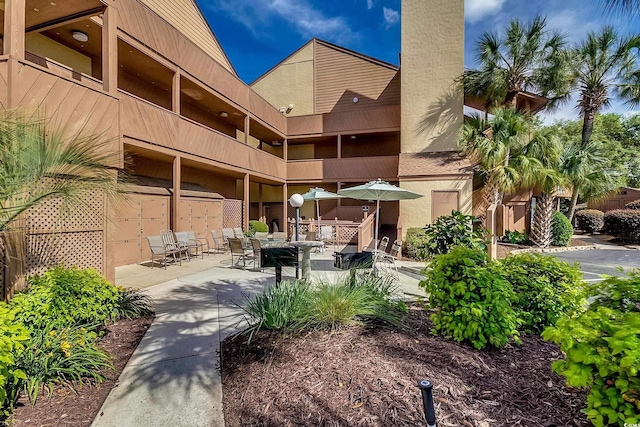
(110, 50)
(285, 149)
(175, 202)
(339, 188)
(14, 28)
(245, 221)
(260, 213)
(175, 92)
(339, 147)
(285, 204)
(247, 128)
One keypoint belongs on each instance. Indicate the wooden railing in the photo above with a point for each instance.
(64, 71)
(346, 232)
(366, 232)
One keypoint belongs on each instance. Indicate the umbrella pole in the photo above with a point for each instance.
(377, 223)
(318, 219)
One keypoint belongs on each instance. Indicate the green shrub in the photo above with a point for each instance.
(515, 237)
(279, 307)
(133, 303)
(623, 224)
(633, 205)
(257, 226)
(416, 244)
(546, 288)
(602, 348)
(471, 299)
(60, 356)
(12, 341)
(590, 220)
(561, 230)
(65, 297)
(450, 231)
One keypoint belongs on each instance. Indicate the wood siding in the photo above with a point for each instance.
(371, 119)
(340, 76)
(361, 169)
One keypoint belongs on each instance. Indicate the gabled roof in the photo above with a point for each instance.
(186, 17)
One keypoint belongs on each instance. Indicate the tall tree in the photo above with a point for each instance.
(39, 164)
(527, 57)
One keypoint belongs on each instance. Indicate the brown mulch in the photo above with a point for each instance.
(364, 376)
(78, 408)
(504, 250)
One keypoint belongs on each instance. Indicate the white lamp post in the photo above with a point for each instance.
(297, 201)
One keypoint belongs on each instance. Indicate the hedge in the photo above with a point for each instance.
(623, 224)
(561, 230)
(590, 220)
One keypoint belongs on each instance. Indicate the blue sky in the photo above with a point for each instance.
(257, 34)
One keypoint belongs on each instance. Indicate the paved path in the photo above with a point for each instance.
(173, 377)
(597, 262)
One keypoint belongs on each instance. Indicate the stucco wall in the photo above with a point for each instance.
(417, 213)
(432, 58)
(290, 83)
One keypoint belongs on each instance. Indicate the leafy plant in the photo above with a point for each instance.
(515, 237)
(450, 231)
(133, 303)
(416, 244)
(590, 220)
(12, 340)
(633, 205)
(279, 307)
(546, 288)
(561, 230)
(257, 226)
(60, 356)
(65, 297)
(472, 302)
(623, 224)
(602, 347)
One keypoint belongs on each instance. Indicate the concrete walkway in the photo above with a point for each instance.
(173, 377)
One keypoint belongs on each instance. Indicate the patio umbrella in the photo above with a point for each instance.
(318, 194)
(378, 190)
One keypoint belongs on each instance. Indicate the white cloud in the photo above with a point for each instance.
(304, 18)
(370, 4)
(390, 17)
(475, 10)
(572, 24)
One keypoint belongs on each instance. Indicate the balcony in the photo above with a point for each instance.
(344, 170)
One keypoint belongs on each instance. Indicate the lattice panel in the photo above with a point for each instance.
(232, 216)
(82, 249)
(304, 228)
(347, 234)
(51, 215)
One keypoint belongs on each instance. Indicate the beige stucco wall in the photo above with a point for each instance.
(290, 83)
(417, 212)
(432, 58)
(47, 48)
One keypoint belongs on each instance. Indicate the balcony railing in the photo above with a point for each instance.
(345, 169)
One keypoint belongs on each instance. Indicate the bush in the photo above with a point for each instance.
(416, 243)
(635, 205)
(12, 340)
(546, 288)
(623, 224)
(65, 297)
(561, 230)
(590, 220)
(450, 231)
(60, 356)
(602, 348)
(133, 303)
(471, 299)
(257, 226)
(279, 307)
(515, 237)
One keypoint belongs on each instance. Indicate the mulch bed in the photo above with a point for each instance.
(505, 250)
(367, 376)
(78, 408)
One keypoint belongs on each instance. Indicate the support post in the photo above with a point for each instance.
(285, 212)
(247, 128)
(260, 205)
(492, 227)
(245, 222)
(339, 146)
(177, 169)
(110, 50)
(14, 28)
(175, 93)
(285, 150)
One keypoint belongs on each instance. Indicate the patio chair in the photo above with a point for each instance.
(327, 235)
(257, 251)
(279, 235)
(301, 237)
(218, 243)
(193, 243)
(238, 253)
(262, 235)
(160, 250)
(391, 257)
(227, 233)
(238, 233)
(169, 240)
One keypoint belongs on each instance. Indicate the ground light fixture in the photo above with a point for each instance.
(296, 200)
(80, 36)
(426, 387)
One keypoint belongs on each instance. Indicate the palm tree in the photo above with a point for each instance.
(623, 6)
(495, 146)
(39, 164)
(528, 57)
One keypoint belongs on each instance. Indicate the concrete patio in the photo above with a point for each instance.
(173, 377)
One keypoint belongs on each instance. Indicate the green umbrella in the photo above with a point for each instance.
(378, 190)
(318, 194)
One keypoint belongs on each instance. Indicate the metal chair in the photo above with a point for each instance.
(160, 249)
(238, 233)
(391, 257)
(327, 235)
(257, 251)
(193, 243)
(169, 239)
(279, 235)
(238, 252)
(227, 233)
(219, 243)
(262, 235)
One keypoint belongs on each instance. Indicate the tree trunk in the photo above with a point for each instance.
(574, 202)
(587, 126)
(542, 221)
(15, 255)
(511, 100)
(490, 195)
